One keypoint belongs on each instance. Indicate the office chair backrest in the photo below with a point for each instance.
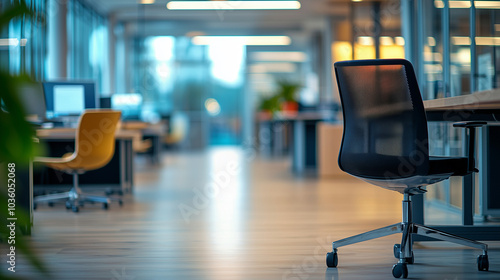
(95, 139)
(385, 126)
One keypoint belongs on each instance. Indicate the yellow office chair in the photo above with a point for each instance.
(94, 148)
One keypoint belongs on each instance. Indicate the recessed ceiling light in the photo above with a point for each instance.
(279, 56)
(365, 40)
(399, 40)
(244, 40)
(12, 42)
(282, 67)
(194, 33)
(146, 2)
(233, 5)
(386, 41)
(467, 4)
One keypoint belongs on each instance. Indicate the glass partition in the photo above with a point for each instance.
(23, 45)
(87, 44)
(460, 53)
(487, 48)
(457, 55)
(372, 30)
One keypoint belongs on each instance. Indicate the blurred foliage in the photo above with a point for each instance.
(287, 90)
(270, 104)
(16, 144)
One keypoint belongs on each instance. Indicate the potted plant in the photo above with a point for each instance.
(288, 91)
(269, 106)
(16, 143)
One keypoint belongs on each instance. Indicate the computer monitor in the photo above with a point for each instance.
(33, 100)
(64, 98)
(129, 103)
(105, 102)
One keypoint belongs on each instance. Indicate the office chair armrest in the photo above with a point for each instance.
(471, 149)
(469, 124)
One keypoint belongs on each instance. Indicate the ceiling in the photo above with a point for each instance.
(129, 11)
(156, 19)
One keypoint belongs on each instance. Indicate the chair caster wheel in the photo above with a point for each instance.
(332, 259)
(68, 204)
(120, 202)
(482, 263)
(400, 270)
(75, 209)
(105, 206)
(50, 204)
(81, 203)
(34, 206)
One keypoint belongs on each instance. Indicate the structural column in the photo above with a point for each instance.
(58, 39)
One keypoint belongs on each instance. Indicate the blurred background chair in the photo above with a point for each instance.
(94, 148)
(178, 129)
(385, 143)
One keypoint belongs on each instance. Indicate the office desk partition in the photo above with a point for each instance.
(483, 106)
(117, 176)
(301, 128)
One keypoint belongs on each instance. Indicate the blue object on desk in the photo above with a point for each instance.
(65, 98)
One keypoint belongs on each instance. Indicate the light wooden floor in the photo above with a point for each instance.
(258, 223)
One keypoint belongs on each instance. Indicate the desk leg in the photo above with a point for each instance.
(298, 147)
(130, 164)
(157, 149)
(468, 200)
(277, 130)
(123, 170)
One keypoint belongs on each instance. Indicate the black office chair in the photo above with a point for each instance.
(385, 143)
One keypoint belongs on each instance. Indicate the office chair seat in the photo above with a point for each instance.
(72, 162)
(385, 143)
(362, 165)
(457, 166)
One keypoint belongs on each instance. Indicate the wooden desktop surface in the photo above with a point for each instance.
(481, 100)
(296, 116)
(69, 133)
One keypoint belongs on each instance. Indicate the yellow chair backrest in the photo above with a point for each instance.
(95, 139)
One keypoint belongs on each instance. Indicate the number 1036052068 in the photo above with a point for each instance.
(11, 187)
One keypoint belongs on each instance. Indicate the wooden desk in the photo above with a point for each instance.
(484, 106)
(482, 100)
(117, 175)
